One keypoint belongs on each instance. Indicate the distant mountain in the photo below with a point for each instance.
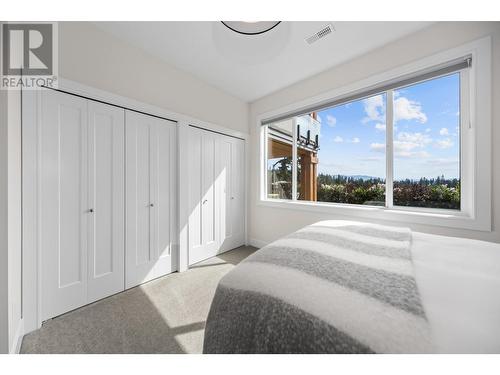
(361, 177)
(356, 177)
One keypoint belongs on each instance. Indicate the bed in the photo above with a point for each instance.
(350, 287)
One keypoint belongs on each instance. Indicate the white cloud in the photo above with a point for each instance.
(371, 158)
(417, 139)
(428, 130)
(338, 139)
(444, 143)
(405, 109)
(411, 154)
(377, 147)
(374, 109)
(443, 162)
(331, 120)
(380, 127)
(444, 131)
(407, 145)
(355, 140)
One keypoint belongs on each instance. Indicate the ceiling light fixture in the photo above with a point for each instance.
(250, 28)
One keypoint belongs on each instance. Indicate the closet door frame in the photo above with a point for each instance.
(31, 104)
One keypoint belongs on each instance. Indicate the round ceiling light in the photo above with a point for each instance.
(250, 28)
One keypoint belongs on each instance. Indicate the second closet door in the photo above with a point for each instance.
(150, 198)
(106, 194)
(216, 194)
(232, 218)
(204, 195)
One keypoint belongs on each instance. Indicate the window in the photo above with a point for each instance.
(427, 144)
(342, 166)
(395, 146)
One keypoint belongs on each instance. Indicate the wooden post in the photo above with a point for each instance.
(309, 175)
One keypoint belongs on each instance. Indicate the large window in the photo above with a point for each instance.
(427, 144)
(398, 146)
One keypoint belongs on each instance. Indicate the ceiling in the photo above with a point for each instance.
(250, 67)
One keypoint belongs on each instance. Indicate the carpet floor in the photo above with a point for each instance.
(166, 315)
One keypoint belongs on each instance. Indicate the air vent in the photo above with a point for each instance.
(328, 29)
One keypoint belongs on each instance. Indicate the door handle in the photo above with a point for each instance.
(151, 205)
(205, 201)
(91, 210)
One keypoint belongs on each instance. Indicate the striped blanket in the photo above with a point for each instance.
(333, 287)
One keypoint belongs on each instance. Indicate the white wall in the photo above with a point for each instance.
(14, 216)
(267, 224)
(93, 57)
(4, 315)
(10, 220)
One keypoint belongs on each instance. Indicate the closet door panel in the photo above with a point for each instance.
(165, 191)
(63, 203)
(150, 197)
(208, 204)
(195, 195)
(106, 247)
(141, 192)
(238, 192)
(137, 138)
(204, 203)
(233, 195)
(226, 182)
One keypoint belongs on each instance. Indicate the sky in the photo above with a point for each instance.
(426, 133)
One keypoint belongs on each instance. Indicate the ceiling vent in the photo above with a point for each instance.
(328, 29)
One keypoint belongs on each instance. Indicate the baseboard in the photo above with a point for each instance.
(256, 243)
(18, 338)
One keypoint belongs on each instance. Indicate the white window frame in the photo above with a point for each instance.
(475, 146)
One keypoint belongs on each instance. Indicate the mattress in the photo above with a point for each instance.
(459, 284)
(447, 301)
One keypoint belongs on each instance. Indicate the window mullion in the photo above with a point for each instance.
(389, 149)
(294, 159)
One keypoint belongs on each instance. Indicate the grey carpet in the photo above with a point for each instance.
(166, 315)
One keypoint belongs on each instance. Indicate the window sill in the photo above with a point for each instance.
(436, 217)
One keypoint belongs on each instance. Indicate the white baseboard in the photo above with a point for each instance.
(257, 243)
(18, 338)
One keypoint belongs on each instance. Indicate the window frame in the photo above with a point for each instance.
(475, 145)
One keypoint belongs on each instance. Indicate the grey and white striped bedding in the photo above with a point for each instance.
(333, 287)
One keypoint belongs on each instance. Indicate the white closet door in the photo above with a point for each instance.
(236, 214)
(63, 201)
(204, 196)
(163, 193)
(216, 194)
(232, 154)
(106, 244)
(226, 161)
(150, 197)
(238, 194)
